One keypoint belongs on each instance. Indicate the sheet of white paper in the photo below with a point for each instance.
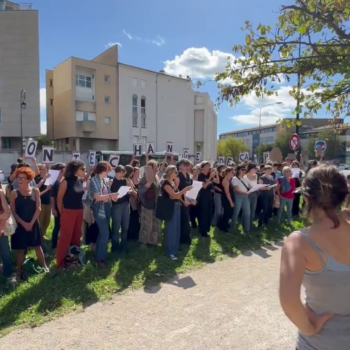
(272, 186)
(257, 188)
(296, 172)
(123, 190)
(197, 185)
(52, 179)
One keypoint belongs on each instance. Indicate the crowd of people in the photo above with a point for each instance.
(87, 209)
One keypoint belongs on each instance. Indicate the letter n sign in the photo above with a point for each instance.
(47, 155)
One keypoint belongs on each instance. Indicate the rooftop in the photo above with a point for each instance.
(12, 6)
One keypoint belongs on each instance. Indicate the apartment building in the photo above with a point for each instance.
(106, 105)
(268, 134)
(19, 70)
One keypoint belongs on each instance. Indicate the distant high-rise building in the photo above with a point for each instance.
(19, 70)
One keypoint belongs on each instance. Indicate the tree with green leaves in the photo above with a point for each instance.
(311, 40)
(231, 147)
(335, 147)
(43, 140)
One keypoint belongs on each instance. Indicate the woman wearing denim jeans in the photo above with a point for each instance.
(252, 179)
(241, 187)
(5, 252)
(173, 226)
(120, 212)
(285, 190)
(99, 194)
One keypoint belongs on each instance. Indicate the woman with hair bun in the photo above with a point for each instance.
(318, 257)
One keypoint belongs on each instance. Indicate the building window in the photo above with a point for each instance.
(143, 84)
(85, 115)
(134, 82)
(51, 82)
(107, 79)
(143, 111)
(107, 99)
(134, 110)
(107, 120)
(6, 143)
(83, 81)
(51, 102)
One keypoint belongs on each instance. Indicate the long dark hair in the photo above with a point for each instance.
(72, 167)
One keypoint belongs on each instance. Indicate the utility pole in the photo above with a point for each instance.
(299, 88)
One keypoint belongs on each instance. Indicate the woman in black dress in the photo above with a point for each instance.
(297, 196)
(227, 199)
(134, 224)
(25, 206)
(183, 181)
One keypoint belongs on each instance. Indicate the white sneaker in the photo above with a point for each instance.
(173, 257)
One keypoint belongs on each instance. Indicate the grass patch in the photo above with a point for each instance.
(45, 297)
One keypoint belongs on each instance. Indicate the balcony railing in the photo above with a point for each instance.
(12, 6)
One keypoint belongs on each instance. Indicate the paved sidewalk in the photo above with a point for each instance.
(231, 304)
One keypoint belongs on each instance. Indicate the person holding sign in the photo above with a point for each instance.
(227, 197)
(241, 187)
(25, 207)
(100, 197)
(173, 226)
(151, 230)
(252, 179)
(70, 206)
(218, 190)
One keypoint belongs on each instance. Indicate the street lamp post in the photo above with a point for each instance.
(270, 104)
(23, 107)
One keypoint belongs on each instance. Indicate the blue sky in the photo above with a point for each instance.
(188, 37)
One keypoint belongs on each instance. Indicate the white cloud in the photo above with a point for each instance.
(269, 114)
(42, 98)
(127, 34)
(159, 41)
(111, 44)
(198, 63)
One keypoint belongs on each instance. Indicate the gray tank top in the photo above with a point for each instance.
(328, 291)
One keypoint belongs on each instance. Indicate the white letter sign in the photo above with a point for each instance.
(244, 157)
(31, 149)
(150, 148)
(138, 149)
(170, 147)
(47, 155)
(92, 158)
(221, 161)
(198, 157)
(229, 161)
(266, 156)
(76, 156)
(185, 153)
(114, 161)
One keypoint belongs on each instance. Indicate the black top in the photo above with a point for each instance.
(74, 195)
(45, 198)
(116, 184)
(224, 199)
(54, 192)
(266, 181)
(165, 194)
(219, 185)
(205, 191)
(185, 181)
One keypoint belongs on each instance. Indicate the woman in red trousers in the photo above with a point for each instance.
(70, 206)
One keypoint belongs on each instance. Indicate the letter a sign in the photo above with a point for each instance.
(150, 148)
(244, 157)
(47, 155)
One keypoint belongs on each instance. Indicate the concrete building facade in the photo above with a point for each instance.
(19, 70)
(268, 134)
(106, 105)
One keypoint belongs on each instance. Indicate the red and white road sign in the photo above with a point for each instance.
(294, 142)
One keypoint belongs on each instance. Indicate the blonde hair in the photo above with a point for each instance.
(171, 169)
(286, 169)
(154, 164)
